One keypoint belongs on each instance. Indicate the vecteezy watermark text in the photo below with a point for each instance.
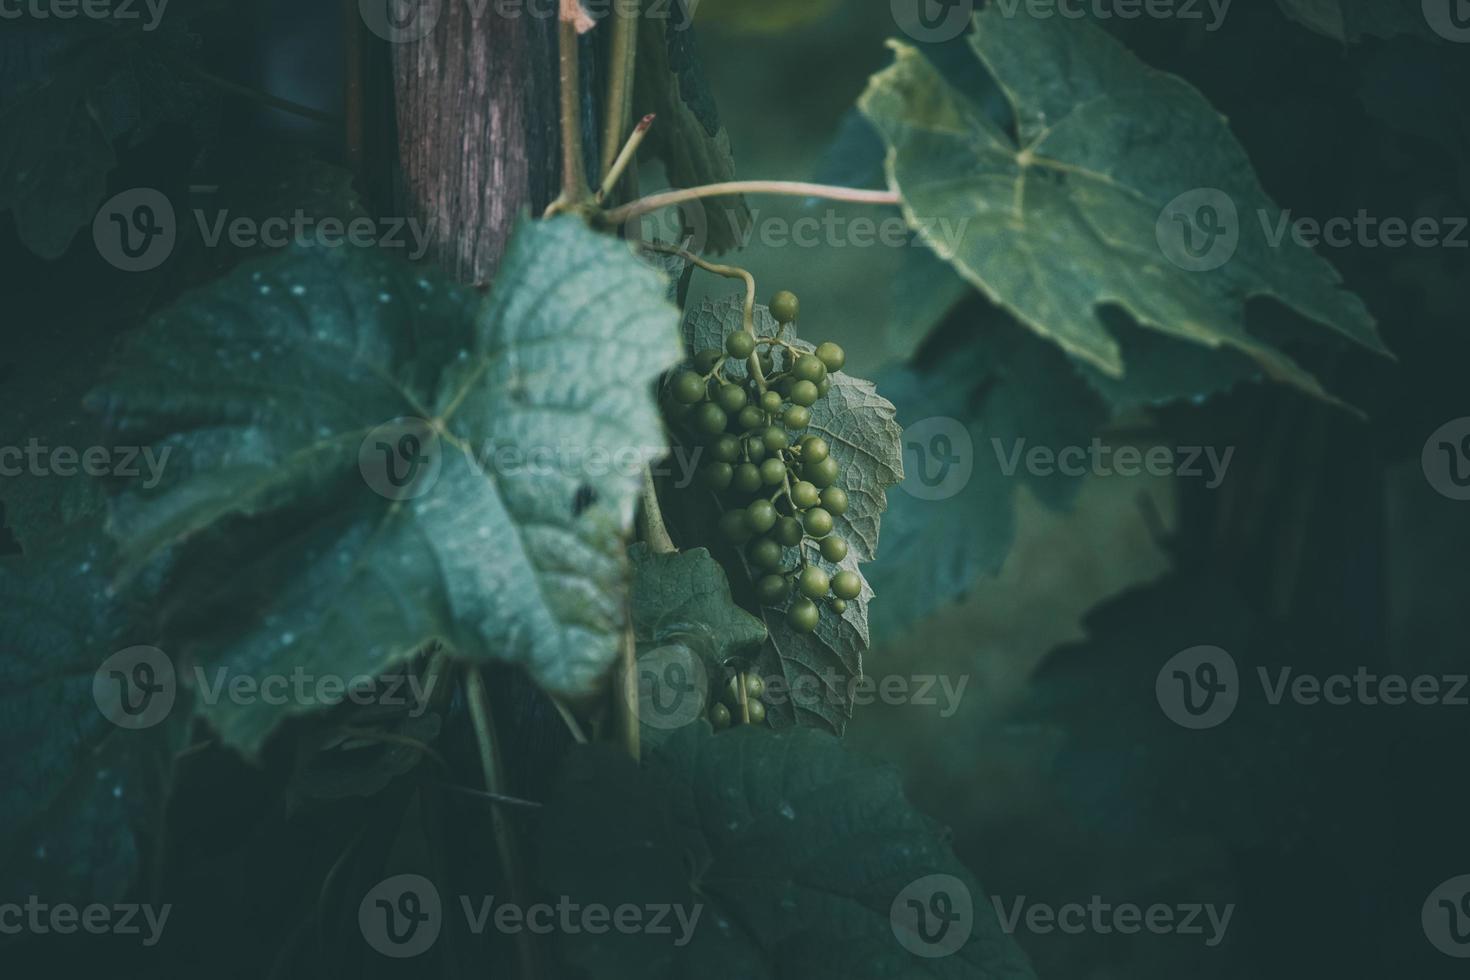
(123, 11)
(1099, 459)
(39, 918)
(1127, 918)
(40, 460)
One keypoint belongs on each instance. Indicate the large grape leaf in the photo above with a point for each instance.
(859, 425)
(795, 851)
(1065, 218)
(687, 135)
(81, 795)
(535, 418)
(684, 592)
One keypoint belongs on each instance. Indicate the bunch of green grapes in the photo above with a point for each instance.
(727, 710)
(778, 484)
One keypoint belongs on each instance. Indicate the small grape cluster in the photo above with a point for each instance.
(726, 711)
(779, 487)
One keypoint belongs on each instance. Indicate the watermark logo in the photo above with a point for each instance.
(1446, 459)
(1446, 917)
(1450, 19)
(149, 12)
(932, 20)
(1105, 10)
(401, 916)
(933, 916)
(400, 21)
(1199, 230)
(670, 686)
(401, 459)
(1198, 688)
(135, 688)
(939, 457)
(1105, 918)
(135, 230)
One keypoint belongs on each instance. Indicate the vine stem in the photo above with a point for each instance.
(573, 173)
(504, 833)
(729, 272)
(625, 157)
(623, 63)
(790, 188)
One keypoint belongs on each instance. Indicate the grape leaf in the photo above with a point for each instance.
(688, 136)
(793, 850)
(81, 795)
(969, 418)
(858, 424)
(531, 421)
(686, 592)
(1349, 21)
(1065, 219)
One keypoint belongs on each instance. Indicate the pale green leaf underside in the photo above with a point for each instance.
(1066, 221)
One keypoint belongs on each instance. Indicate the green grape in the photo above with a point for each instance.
(818, 522)
(772, 590)
(761, 516)
(805, 495)
(773, 472)
(730, 397)
(824, 386)
(809, 368)
(834, 501)
(785, 307)
(725, 449)
(754, 686)
(764, 553)
(717, 476)
(719, 717)
(832, 356)
(834, 549)
(846, 585)
(688, 388)
(710, 419)
(803, 615)
(746, 478)
(734, 526)
(797, 417)
(788, 531)
(804, 393)
(813, 582)
(839, 606)
(771, 402)
(755, 449)
(705, 360)
(757, 712)
(750, 418)
(740, 344)
(823, 474)
(776, 439)
(814, 449)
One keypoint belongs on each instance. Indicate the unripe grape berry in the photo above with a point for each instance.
(725, 449)
(761, 516)
(772, 590)
(719, 717)
(730, 397)
(750, 418)
(731, 694)
(740, 344)
(834, 501)
(834, 549)
(717, 476)
(839, 606)
(824, 386)
(764, 553)
(804, 393)
(846, 585)
(688, 387)
(754, 686)
(823, 474)
(803, 615)
(771, 402)
(785, 307)
(832, 356)
(813, 582)
(705, 360)
(733, 526)
(746, 478)
(797, 417)
(814, 449)
(776, 439)
(773, 472)
(788, 531)
(809, 368)
(805, 495)
(818, 522)
(757, 712)
(755, 449)
(710, 419)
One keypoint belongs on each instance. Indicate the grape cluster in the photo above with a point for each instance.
(726, 711)
(779, 487)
